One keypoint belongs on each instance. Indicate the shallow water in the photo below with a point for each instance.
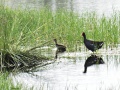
(67, 73)
(100, 6)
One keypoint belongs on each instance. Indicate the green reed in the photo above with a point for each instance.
(31, 28)
(6, 83)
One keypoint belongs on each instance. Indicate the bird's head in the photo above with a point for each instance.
(83, 34)
(55, 40)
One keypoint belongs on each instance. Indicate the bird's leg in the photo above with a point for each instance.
(56, 54)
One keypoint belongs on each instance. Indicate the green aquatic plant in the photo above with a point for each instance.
(32, 27)
(7, 84)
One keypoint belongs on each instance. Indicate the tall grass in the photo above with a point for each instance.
(6, 83)
(33, 27)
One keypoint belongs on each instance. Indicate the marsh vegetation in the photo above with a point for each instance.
(24, 32)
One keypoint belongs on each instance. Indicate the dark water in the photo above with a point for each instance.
(67, 72)
(100, 6)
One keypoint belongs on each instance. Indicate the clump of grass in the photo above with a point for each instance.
(17, 31)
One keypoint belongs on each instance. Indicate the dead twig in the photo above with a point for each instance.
(37, 47)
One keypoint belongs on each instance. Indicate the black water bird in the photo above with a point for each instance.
(92, 45)
(93, 59)
(60, 48)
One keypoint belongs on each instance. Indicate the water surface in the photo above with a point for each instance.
(67, 73)
(100, 6)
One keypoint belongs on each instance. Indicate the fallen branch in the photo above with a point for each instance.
(36, 47)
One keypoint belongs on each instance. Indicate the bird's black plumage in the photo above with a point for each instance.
(92, 45)
(60, 48)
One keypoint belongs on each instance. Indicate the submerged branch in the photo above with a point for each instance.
(31, 69)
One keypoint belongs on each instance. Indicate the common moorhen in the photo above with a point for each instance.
(60, 48)
(91, 60)
(92, 45)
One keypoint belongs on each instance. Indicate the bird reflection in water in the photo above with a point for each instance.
(91, 60)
